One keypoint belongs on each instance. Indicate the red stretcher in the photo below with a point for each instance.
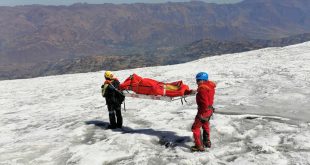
(146, 88)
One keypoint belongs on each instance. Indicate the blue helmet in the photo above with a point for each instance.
(202, 76)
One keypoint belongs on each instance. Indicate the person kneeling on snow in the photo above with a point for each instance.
(114, 99)
(204, 100)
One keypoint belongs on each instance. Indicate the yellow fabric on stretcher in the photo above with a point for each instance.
(171, 87)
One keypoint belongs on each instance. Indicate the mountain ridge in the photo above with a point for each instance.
(32, 35)
(193, 51)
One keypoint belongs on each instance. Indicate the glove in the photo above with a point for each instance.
(107, 82)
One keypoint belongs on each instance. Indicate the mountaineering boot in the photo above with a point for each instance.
(197, 149)
(205, 139)
(207, 144)
(119, 126)
(112, 126)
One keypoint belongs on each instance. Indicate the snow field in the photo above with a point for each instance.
(262, 115)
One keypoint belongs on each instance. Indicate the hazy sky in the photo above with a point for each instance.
(69, 2)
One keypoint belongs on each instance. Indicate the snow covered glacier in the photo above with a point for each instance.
(262, 115)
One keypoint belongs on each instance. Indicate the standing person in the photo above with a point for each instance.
(204, 100)
(114, 99)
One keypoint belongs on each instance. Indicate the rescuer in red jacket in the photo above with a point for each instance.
(204, 100)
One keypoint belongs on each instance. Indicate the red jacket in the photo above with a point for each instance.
(205, 95)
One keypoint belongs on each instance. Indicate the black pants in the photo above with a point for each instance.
(115, 111)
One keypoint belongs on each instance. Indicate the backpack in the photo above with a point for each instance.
(120, 97)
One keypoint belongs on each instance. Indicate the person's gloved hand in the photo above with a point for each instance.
(107, 82)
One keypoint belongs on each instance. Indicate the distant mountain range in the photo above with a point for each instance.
(193, 51)
(205, 48)
(34, 36)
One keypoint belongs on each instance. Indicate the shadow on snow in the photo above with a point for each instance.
(166, 138)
